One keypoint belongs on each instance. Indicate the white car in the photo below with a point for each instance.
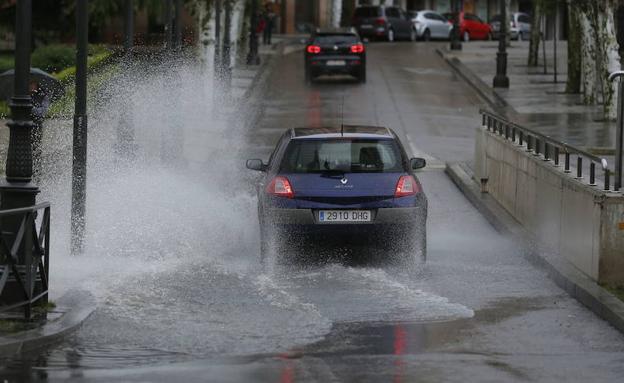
(431, 25)
(519, 26)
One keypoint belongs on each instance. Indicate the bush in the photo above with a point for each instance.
(54, 58)
(6, 62)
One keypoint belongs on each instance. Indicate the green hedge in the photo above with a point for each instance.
(6, 62)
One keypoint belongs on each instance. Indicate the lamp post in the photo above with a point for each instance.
(217, 54)
(177, 25)
(168, 19)
(252, 56)
(456, 44)
(501, 80)
(227, 71)
(17, 190)
(79, 166)
(128, 26)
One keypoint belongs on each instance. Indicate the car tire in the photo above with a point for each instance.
(413, 35)
(427, 35)
(466, 37)
(390, 35)
(308, 77)
(362, 76)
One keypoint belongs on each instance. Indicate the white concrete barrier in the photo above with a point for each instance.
(584, 224)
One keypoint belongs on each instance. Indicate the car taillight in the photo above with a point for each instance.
(406, 186)
(314, 49)
(357, 48)
(280, 186)
(380, 21)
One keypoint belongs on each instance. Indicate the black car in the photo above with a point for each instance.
(335, 52)
(382, 22)
(344, 185)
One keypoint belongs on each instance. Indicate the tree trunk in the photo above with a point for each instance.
(609, 57)
(589, 51)
(535, 33)
(573, 84)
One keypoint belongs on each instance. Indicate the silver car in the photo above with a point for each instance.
(519, 26)
(431, 25)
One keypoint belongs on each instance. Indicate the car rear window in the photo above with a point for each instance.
(335, 39)
(342, 155)
(368, 12)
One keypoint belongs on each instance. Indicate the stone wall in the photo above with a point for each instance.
(583, 223)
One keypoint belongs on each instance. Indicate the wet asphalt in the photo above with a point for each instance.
(477, 311)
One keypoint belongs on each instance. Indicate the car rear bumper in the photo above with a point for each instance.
(382, 216)
(323, 65)
(390, 223)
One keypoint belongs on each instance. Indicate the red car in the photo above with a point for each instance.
(471, 27)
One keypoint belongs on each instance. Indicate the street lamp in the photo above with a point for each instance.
(456, 44)
(17, 190)
(501, 80)
(79, 166)
(128, 26)
(217, 51)
(252, 57)
(225, 67)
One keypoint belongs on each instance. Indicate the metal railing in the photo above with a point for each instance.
(24, 258)
(548, 148)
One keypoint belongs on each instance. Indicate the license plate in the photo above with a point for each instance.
(366, 26)
(336, 63)
(344, 216)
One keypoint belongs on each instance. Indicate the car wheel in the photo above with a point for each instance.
(466, 37)
(427, 35)
(362, 76)
(413, 35)
(390, 35)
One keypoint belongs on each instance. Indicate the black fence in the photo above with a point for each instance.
(24, 258)
(549, 149)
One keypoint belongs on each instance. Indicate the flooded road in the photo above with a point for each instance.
(476, 311)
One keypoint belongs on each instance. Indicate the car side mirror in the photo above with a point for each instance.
(256, 164)
(418, 163)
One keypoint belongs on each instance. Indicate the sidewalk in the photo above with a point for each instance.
(533, 99)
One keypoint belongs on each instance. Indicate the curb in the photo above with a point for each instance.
(76, 306)
(487, 93)
(564, 274)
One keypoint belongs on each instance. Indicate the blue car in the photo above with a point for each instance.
(351, 185)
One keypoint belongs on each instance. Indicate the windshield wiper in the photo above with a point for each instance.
(332, 173)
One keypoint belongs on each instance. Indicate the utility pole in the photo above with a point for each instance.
(79, 168)
(501, 80)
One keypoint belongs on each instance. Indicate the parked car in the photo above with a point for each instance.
(349, 184)
(338, 51)
(430, 24)
(471, 27)
(382, 22)
(519, 26)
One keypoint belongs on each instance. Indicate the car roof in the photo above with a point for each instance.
(350, 131)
